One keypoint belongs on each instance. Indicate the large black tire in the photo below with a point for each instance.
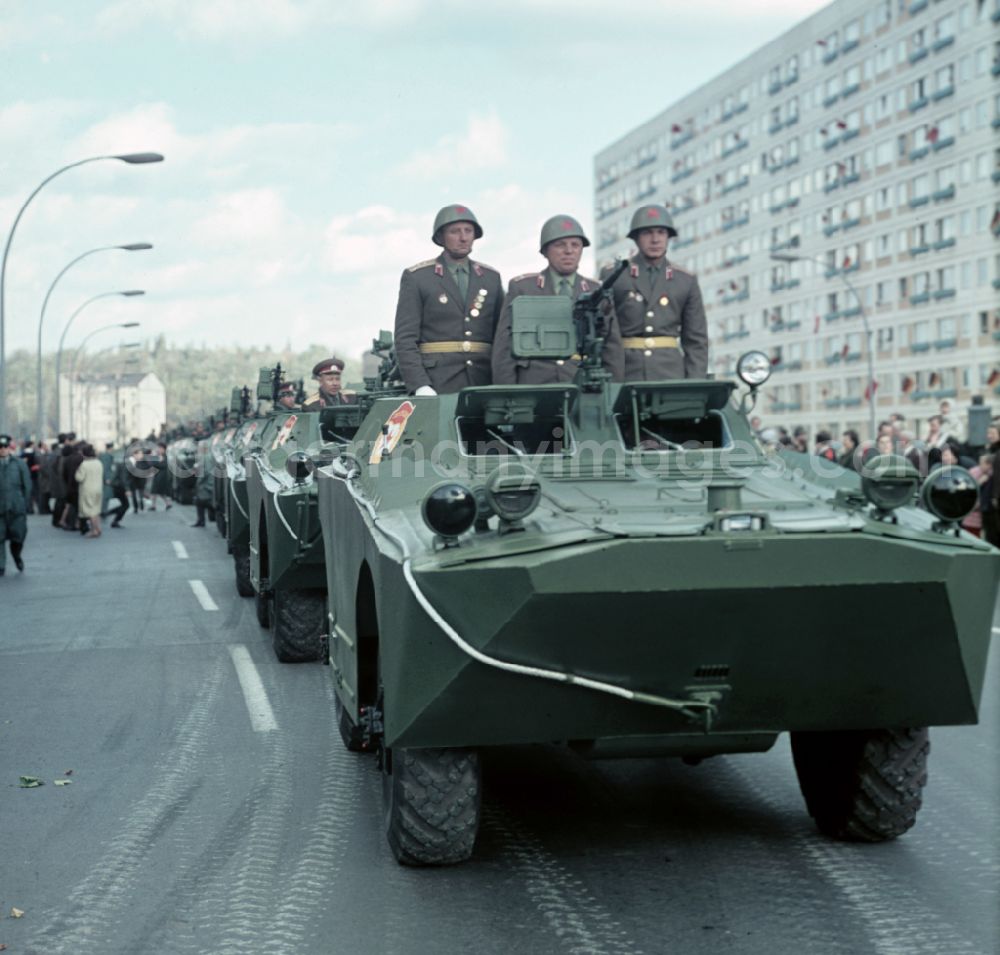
(431, 799)
(352, 734)
(298, 623)
(244, 586)
(262, 604)
(863, 785)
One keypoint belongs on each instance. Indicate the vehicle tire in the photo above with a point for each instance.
(220, 520)
(864, 785)
(431, 799)
(262, 604)
(352, 734)
(298, 620)
(244, 586)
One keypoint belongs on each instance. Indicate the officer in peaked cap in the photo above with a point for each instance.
(327, 372)
(286, 396)
(562, 242)
(15, 493)
(659, 306)
(447, 311)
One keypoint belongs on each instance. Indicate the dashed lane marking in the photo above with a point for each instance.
(204, 597)
(258, 706)
(180, 550)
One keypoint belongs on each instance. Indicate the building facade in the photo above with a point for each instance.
(113, 408)
(837, 189)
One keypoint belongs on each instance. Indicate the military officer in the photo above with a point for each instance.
(562, 242)
(447, 311)
(286, 397)
(15, 493)
(327, 372)
(659, 306)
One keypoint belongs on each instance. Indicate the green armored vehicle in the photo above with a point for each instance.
(286, 548)
(600, 563)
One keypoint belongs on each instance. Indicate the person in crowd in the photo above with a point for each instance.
(851, 453)
(119, 492)
(983, 473)
(203, 488)
(15, 497)
(447, 311)
(29, 456)
(658, 306)
(286, 397)
(800, 439)
(328, 374)
(951, 424)
(56, 482)
(823, 447)
(159, 485)
(562, 243)
(44, 478)
(137, 473)
(936, 436)
(90, 477)
(71, 460)
(107, 459)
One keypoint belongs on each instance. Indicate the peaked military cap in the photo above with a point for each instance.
(651, 217)
(561, 227)
(327, 364)
(6, 440)
(286, 388)
(451, 214)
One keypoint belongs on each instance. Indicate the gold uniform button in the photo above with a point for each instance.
(649, 328)
(466, 346)
(638, 297)
(649, 314)
(467, 318)
(443, 299)
(560, 361)
(468, 331)
(664, 300)
(468, 361)
(648, 353)
(482, 293)
(649, 343)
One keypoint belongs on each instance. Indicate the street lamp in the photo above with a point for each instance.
(79, 350)
(62, 339)
(39, 412)
(791, 257)
(133, 159)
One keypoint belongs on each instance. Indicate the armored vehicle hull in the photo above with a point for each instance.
(635, 576)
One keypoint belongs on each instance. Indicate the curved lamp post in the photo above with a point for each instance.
(62, 339)
(40, 404)
(133, 159)
(78, 352)
(791, 257)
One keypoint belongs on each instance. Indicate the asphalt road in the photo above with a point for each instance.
(209, 813)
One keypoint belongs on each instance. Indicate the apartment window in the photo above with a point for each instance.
(883, 13)
(852, 76)
(965, 69)
(921, 283)
(883, 245)
(852, 31)
(944, 229)
(944, 28)
(883, 59)
(921, 333)
(921, 186)
(945, 77)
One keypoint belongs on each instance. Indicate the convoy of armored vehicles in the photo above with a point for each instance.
(620, 568)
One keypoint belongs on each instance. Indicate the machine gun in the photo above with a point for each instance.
(382, 379)
(591, 316)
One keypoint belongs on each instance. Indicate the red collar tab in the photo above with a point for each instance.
(438, 269)
(634, 271)
(540, 280)
(477, 268)
(669, 273)
(584, 285)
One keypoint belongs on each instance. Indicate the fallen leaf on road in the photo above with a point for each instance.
(63, 782)
(31, 782)
(16, 913)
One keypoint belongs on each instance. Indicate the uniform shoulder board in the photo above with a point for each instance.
(587, 278)
(311, 399)
(526, 275)
(348, 391)
(490, 268)
(421, 265)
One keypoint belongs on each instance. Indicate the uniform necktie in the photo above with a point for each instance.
(462, 278)
(564, 288)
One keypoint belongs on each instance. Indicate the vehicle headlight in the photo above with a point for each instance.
(299, 465)
(754, 368)
(950, 493)
(513, 493)
(449, 510)
(889, 481)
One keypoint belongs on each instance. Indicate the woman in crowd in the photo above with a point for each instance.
(90, 477)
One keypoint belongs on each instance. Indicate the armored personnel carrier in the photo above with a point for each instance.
(599, 563)
(286, 548)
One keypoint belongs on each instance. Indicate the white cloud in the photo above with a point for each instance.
(482, 145)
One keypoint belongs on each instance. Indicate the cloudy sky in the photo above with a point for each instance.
(309, 143)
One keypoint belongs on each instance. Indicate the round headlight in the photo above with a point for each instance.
(449, 510)
(754, 368)
(889, 481)
(950, 493)
(299, 465)
(513, 492)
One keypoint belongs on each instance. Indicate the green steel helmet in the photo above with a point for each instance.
(561, 227)
(651, 217)
(454, 213)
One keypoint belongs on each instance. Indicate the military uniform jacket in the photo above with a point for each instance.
(318, 401)
(508, 370)
(670, 306)
(430, 309)
(15, 488)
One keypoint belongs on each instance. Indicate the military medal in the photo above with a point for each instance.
(474, 312)
(443, 299)
(664, 300)
(482, 293)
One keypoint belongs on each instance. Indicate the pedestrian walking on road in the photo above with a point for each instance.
(90, 477)
(15, 496)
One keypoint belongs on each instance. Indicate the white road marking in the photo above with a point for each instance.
(180, 550)
(259, 707)
(204, 597)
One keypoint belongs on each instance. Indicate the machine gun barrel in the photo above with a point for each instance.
(589, 299)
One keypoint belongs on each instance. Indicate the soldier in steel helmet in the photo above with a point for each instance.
(448, 311)
(562, 243)
(286, 396)
(327, 373)
(659, 306)
(15, 493)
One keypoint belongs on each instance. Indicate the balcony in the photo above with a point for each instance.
(916, 154)
(919, 298)
(645, 161)
(774, 88)
(833, 402)
(792, 120)
(735, 223)
(850, 177)
(917, 201)
(742, 107)
(848, 134)
(919, 103)
(736, 297)
(830, 56)
(735, 260)
(916, 250)
(851, 312)
(682, 243)
(780, 406)
(996, 68)
(775, 127)
(938, 45)
(733, 186)
(996, 284)
(852, 402)
(679, 141)
(946, 343)
(830, 100)
(917, 7)
(943, 293)
(852, 356)
(742, 144)
(944, 143)
(683, 174)
(918, 347)
(833, 359)
(830, 142)
(850, 90)
(943, 244)
(831, 316)
(787, 204)
(850, 223)
(941, 194)
(829, 230)
(917, 55)
(995, 122)
(995, 175)
(792, 243)
(849, 45)
(729, 336)
(943, 93)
